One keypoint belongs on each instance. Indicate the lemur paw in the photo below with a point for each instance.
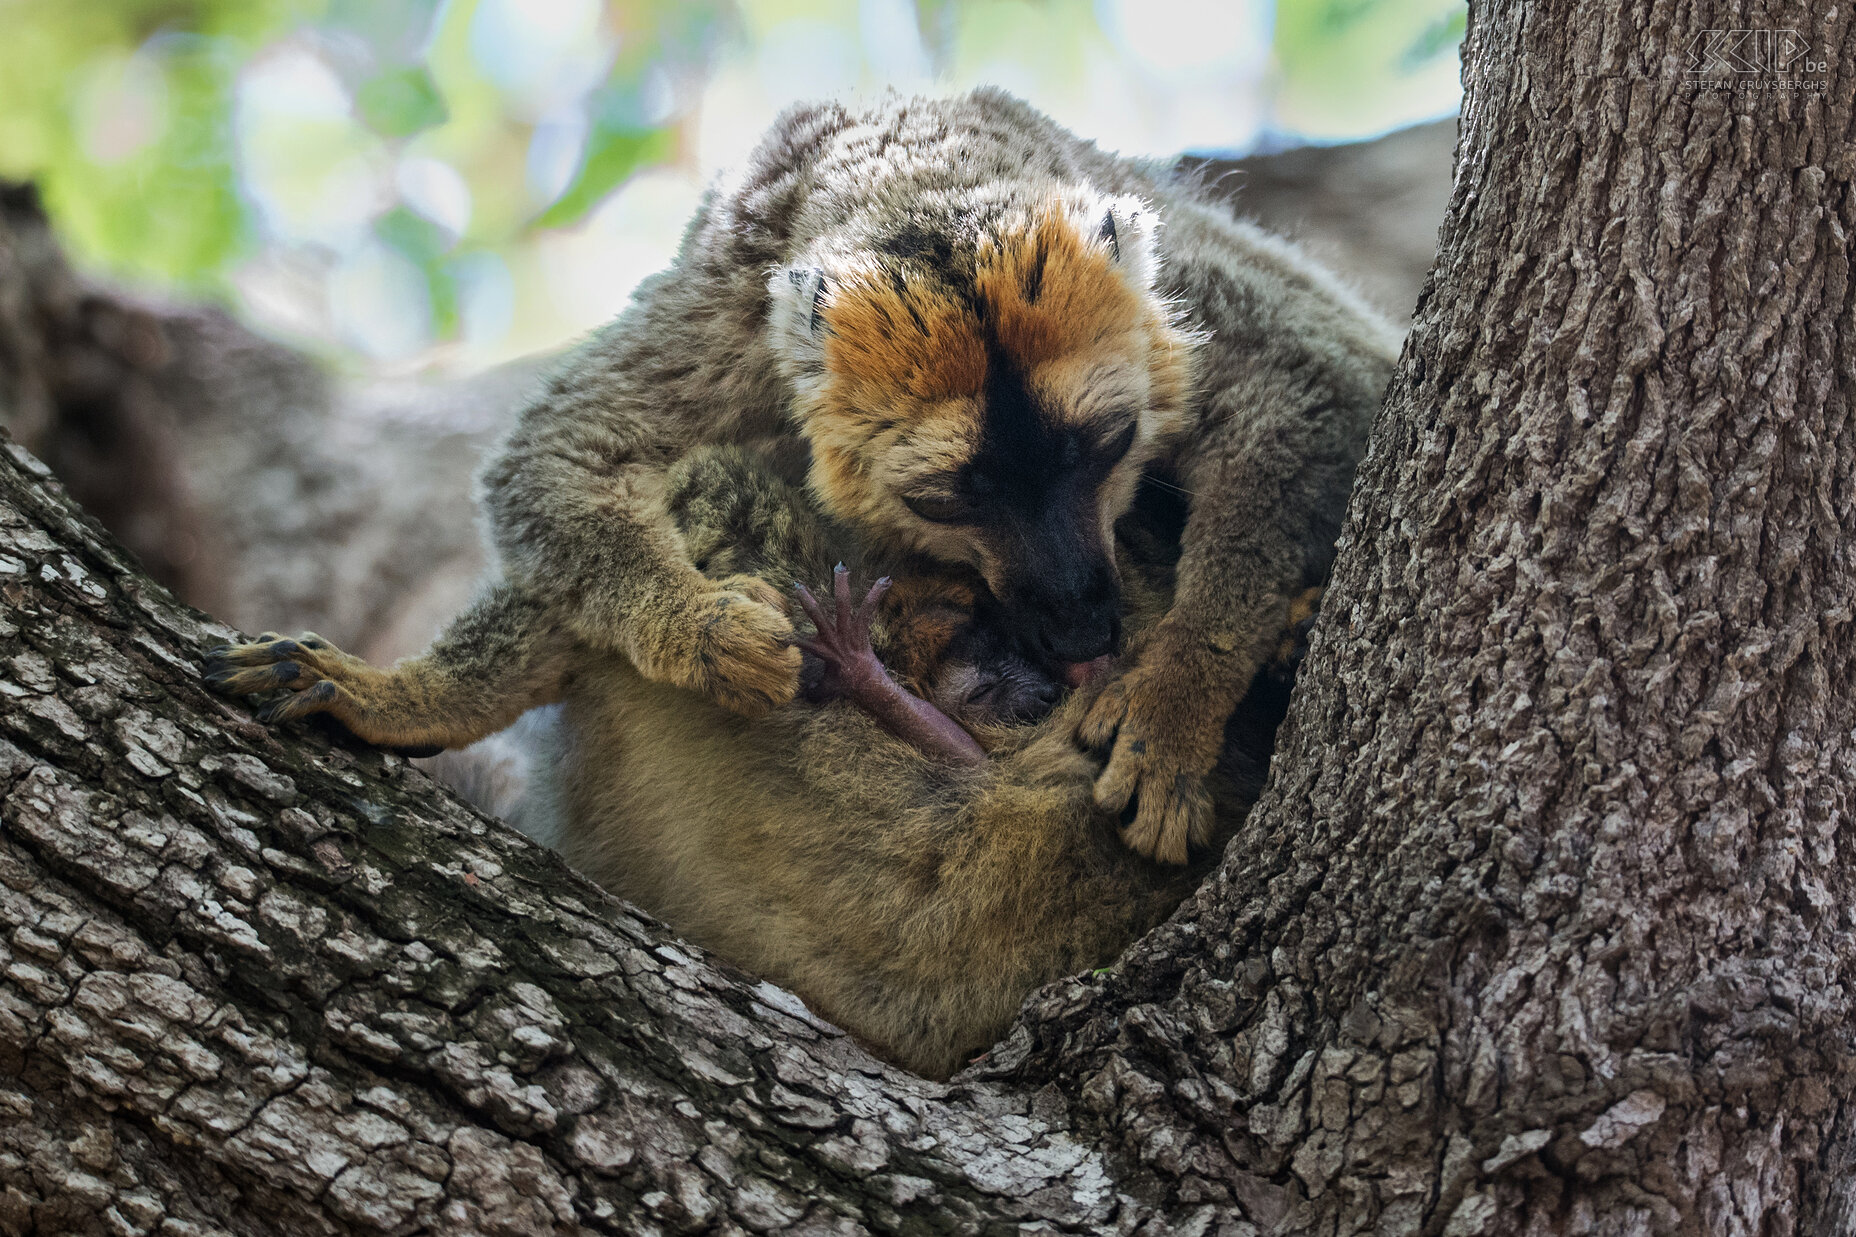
(320, 678)
(1292, 647)
(843, 639)
(1163, 728)
(743, 656)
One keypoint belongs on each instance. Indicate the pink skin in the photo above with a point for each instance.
(853, 672)
(1083, 673)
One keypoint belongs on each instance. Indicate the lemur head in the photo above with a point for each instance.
(986, 388)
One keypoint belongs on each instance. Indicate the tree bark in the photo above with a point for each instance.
(1541, 926)
(1543, 923)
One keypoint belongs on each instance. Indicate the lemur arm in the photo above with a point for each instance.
(1291, 373)
(502, 657)
(575, 499)
(854, 673)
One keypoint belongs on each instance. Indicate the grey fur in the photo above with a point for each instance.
(1287, 375)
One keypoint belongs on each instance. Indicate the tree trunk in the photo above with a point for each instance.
(1544, 923)
(1541, 925)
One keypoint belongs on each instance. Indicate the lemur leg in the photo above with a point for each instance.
(575, 505)
(497, 660)
(854, 673)
(1161, 718)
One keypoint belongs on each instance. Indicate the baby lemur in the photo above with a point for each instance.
(868, 873)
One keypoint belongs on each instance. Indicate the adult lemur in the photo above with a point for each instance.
(987, 330)
(909, 891)
(986, 335)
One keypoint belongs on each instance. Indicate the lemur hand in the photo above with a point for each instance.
(731, 642)
(853, 672)
(842, 643)
(1162, 721)
(370, 703)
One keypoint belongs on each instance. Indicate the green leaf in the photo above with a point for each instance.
(413, 235)
(401, 102)
(613, 153)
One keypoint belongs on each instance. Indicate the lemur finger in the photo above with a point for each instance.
(317, 698)
(1163, 822)
(1140, 830)
(1100, 726)
(1116, 784)
(229, 678)
(259, 653)
(1174, 817)
(841, 593)
(866, 612)
(1199, 813)
(809, 604)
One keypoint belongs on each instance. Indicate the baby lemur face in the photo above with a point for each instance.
(985, 390)
(985, 680)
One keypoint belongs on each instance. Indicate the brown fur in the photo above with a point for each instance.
(858, 287)
(744, 524)
(907, 353)
(810, 846)
(914, 903)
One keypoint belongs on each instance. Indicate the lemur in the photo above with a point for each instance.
(987, 333)
(907, 891)
(993, 359)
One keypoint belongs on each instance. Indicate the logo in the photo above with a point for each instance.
(1744, 52)
(1753, 61)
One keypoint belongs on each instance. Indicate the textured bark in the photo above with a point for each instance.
(1543, 924)
(258, 984)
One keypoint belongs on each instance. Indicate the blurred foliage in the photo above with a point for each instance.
(383, 174)
(1342, 60)
(126, 112)
(122, 113)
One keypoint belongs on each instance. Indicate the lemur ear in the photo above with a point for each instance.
(1127, 229)
(799, 295)
(1107, 233)
(810, 284)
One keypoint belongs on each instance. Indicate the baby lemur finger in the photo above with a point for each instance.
(866, 611)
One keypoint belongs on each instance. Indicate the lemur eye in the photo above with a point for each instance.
(939, 508)
(1118, 446)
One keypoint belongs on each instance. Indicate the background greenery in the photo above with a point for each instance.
(424, 184)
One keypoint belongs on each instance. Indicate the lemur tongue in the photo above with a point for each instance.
(1078, 673)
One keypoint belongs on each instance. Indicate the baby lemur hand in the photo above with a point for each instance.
(852, 672)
